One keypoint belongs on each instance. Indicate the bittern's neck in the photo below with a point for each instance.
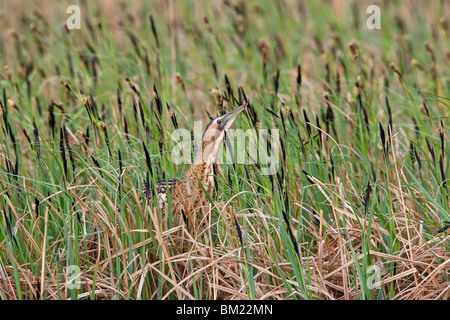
(210, 151)
(204, 161)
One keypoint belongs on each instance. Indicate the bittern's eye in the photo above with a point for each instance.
(219, 121)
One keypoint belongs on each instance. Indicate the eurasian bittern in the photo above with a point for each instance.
(190, 193)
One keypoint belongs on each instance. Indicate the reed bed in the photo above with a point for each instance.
(358, 208)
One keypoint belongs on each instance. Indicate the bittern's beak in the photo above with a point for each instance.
(228, 119)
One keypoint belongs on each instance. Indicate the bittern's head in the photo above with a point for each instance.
(215, 133)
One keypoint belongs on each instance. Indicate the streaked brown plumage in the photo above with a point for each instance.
(189, 194)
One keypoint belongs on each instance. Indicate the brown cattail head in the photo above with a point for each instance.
(207, 24)
(299, 76)
(180, 82)
(35, 30)
(240, 24)
(430, 51)
(416, 64)
(219, 99)
(286, 110)
(444, 25)
(83, 100)
(396, 70)
(354, 48)
(337, 39)
(65, 85)
(155, 33)
(132, 85)
(263, 48)
(8, 73)
(102, 127)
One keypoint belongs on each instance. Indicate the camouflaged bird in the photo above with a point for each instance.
(190, 193)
